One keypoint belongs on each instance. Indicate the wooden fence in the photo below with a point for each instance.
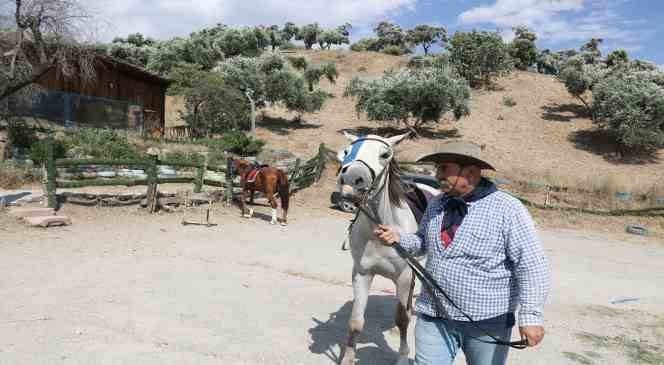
(302, 175)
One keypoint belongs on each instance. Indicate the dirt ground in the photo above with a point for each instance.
(122, 287)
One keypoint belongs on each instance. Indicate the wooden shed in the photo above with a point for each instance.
(121, 96)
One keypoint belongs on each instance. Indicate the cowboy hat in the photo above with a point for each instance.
(461, 152)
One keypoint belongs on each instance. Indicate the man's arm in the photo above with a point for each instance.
(414, 243)
(531, 270)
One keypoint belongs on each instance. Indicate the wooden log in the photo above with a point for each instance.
(31, 212)
(101, 182)
(48, 221)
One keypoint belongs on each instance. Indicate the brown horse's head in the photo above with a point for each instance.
(242, 166)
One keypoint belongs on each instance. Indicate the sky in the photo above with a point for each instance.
(635, 25)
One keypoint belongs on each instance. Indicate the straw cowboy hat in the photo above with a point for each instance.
(461, 152)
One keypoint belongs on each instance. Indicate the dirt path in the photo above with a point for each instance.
(119, 287)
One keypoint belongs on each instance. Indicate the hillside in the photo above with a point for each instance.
(546, 136)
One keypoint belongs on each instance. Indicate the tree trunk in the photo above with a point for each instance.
(253, 114)
(590, 110)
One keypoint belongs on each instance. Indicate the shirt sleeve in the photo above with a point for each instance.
(415, 243)
(530, 267)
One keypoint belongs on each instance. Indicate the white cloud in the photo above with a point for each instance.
(168, 18)
(556, 20)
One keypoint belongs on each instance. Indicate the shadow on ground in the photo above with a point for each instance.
(328, 335)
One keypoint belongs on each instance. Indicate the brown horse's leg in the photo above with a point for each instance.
(243, 204)
(251, 196)
(273, 204)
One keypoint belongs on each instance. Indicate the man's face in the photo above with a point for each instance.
(454, 179)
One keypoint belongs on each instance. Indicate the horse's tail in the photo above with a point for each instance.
(284, 189)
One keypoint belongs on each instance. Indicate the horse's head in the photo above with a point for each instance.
(364, 161)
(241, 166)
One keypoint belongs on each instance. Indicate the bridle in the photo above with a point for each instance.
(365, 207)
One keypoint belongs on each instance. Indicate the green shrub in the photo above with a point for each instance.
(184, 157)
(393, 50)
(238, 142)
(509, 101)
(101, 143)
(20, 134)
(39, 150)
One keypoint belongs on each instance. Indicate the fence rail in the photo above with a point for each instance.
(300, 176)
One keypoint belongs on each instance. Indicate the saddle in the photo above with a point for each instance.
(251, 174)
(417, 200)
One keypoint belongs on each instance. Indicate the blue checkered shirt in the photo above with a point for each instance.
(494, 265)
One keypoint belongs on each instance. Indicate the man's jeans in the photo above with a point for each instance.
(438, 340)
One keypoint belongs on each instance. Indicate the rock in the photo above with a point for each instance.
(636, 229)
(31, 212)
(106, 174)
(48, 221)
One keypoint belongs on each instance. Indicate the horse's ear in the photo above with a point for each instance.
(396, 139)
(350, 137)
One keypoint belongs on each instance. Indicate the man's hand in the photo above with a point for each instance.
(389, 235)
(534, 334)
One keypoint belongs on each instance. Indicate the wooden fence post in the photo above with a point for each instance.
(153, 179)
(229, 181)
(292, 180)
(321, 161)
(200, 175)
(51, 173)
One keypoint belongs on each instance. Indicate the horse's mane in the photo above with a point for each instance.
(397, 189)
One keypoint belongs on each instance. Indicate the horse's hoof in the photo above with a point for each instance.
(284, 224)
(246, 216)
(273, 222)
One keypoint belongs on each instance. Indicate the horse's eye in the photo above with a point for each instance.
(345, 152)
(385, 155)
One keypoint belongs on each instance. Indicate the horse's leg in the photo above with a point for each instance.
(251, 196)
(361, 287)
(243, 204)
(273, 204)
(404, 290)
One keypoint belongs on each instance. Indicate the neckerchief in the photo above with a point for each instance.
(456, 208)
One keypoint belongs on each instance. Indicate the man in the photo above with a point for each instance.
(483, 250)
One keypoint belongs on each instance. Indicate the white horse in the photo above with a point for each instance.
(369, 170)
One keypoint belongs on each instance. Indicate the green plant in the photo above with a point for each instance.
(184, 157)
(393, 50)
(39, 150)
(100, 143)
(239, 143)
(509, 101)
(21, 134)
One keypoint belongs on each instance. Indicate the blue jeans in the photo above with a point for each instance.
(437, 340)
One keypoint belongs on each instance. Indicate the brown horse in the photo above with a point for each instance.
(269, 181)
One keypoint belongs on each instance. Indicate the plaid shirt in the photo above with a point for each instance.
(494, 264)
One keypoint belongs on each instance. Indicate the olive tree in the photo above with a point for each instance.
(479, 56)
(426, 36)
(412, 97)
(522, 48)
(630, 105)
